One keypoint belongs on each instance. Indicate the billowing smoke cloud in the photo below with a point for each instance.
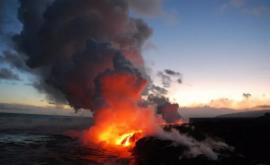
(14, 60)
(157, 95)
(8, 74)
(165, 79)
(69, 43)
(170, 112)
(169, 76)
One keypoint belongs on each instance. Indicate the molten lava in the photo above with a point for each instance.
(114, 137)
(129, 139)
(119, 130)
(121, 122)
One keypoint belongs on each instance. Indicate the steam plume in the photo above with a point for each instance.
(70, 43)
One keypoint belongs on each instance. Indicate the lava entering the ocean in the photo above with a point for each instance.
(122, 121)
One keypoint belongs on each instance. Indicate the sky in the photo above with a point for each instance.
(220, 47)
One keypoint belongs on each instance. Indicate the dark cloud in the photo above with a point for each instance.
(8, 74)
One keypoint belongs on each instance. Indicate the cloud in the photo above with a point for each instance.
(248, 101)
(221, 103)
(246, 7)
(259, 10)
(204, 111)
(7, 74)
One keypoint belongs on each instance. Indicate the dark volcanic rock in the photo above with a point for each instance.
(249, 136)
(156, 151)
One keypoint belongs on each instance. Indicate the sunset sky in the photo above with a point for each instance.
(221, 48)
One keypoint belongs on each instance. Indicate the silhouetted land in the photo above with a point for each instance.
(249, 136)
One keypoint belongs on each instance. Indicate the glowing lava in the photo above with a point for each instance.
(114, 137)
(120, 129)
(122, 121)
(129, 139)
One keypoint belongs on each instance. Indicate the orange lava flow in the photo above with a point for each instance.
(122, 122)
(125, 140)
(119, 130)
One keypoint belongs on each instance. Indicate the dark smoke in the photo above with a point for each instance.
(179, 80)
(247, 95)
(157, 90)
(69, 43)
(14, 60)
(171, 72)
(165, 79)
(54, 96)
(170, 112)
(8, 74)
(169, 76)
(157, 95)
